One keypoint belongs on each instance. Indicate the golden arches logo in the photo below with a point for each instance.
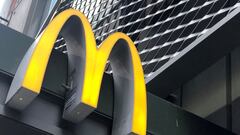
(87, 63)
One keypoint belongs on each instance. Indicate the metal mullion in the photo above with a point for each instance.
(173, 18)
(151, 20)
(104, 20)
(209, 21)
(110, 20)
(148, 16)
(121, 8)
(184, 30)
(117, 19)
(159, 38)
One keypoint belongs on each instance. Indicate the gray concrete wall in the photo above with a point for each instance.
(37, 14)
(19, 18)
(236, 90)
(29, 16)
(206, 94)
(4, 10)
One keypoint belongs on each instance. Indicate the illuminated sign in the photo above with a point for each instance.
(86, 68)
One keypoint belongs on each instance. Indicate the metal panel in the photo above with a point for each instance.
(46, 111)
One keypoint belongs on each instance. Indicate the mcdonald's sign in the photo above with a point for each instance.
(86, 67)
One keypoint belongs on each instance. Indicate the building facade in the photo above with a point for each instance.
(189, 51)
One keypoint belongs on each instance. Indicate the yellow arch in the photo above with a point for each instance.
(96, 59)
